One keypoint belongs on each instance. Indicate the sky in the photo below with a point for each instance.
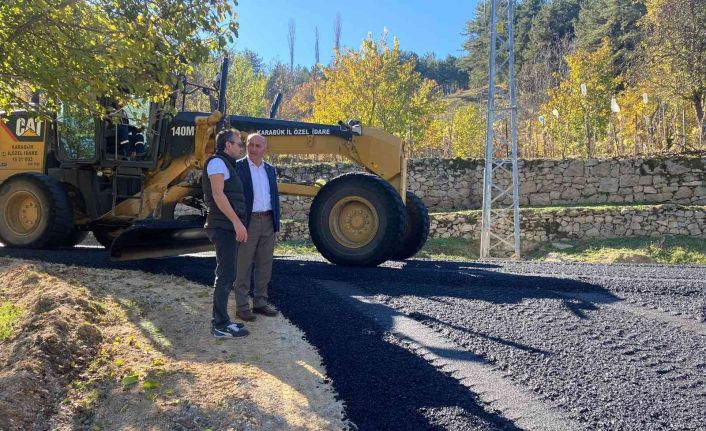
(421, 26)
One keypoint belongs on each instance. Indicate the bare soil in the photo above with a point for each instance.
(115, 349)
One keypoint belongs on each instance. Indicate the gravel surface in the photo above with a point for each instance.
(610, 347)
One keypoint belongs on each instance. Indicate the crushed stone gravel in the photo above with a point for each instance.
(609, 346)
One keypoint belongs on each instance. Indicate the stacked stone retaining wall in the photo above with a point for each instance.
(456, 184)
(578, 223)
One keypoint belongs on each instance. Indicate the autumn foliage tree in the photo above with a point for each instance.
(246, 86)
(373, 85)
(574, 123)
(675, 51)
(79, 50)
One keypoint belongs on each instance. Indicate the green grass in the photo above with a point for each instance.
(668, 249)
(449, 249)
(294, 247)
(461, 98)
(9, 313)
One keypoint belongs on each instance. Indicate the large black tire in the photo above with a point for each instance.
(35, 212)
(357, 219)
(105, 236)
(417, 231)
(77, 205)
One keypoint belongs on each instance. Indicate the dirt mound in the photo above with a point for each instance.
(55, 338)
(115, 349)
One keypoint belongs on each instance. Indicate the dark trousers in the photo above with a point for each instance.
(226, 256)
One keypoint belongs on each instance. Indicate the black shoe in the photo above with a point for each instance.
(230, 331)
(265, 310)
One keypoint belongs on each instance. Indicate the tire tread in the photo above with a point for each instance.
(60, 222)
(396, 218)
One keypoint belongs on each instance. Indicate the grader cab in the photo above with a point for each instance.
(122, 175)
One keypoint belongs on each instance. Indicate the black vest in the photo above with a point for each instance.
(232, 188)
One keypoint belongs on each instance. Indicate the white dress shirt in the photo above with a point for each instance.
(260, 187)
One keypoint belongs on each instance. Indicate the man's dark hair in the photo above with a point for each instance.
(224, 136)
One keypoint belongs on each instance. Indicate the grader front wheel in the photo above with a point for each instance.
(357, 219)
(35, 212)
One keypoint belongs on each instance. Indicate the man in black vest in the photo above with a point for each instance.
(224, 196)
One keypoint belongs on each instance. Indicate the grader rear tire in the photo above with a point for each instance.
(35, 212)
(357, 219)
(417, 231)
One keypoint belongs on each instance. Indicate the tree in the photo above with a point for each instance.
(477, 46)
(553, 23)
(373, 85)
(316, 45)
(674, 51)
(618, 21)
(77, 51)
(445, 72)
(566, 111)
(525, 11)
(291, 39)
(281, 79)
(258, 65)
(468, 132)
(246, 86)
(337, 32)
(299, 105)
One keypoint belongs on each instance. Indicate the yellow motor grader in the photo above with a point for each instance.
(122, 175)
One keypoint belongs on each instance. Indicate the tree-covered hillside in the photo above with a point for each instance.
(595, 78)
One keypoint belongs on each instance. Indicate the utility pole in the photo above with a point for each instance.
(500, 201)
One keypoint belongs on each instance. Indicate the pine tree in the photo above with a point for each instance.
(618, 21)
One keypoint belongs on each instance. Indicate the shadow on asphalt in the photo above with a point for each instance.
(384, 385)
(421, 317)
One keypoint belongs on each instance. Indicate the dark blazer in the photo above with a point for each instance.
(243, 169)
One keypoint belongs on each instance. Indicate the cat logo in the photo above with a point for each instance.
(28, 127)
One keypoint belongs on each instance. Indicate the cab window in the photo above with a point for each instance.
(129, 132)
(76, 134)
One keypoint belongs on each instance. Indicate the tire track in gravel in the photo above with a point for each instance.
(384, 385)
(609, 368)
(493, 389)
(659, 316)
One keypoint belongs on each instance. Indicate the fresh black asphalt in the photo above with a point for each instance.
(606, 346)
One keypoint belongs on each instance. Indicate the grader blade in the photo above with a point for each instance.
(160, 239)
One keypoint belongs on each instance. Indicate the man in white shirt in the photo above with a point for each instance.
(225, 198)
(262, 221)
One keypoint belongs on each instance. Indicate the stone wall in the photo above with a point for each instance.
(456, 184)
(581, 223)
(578, 223)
